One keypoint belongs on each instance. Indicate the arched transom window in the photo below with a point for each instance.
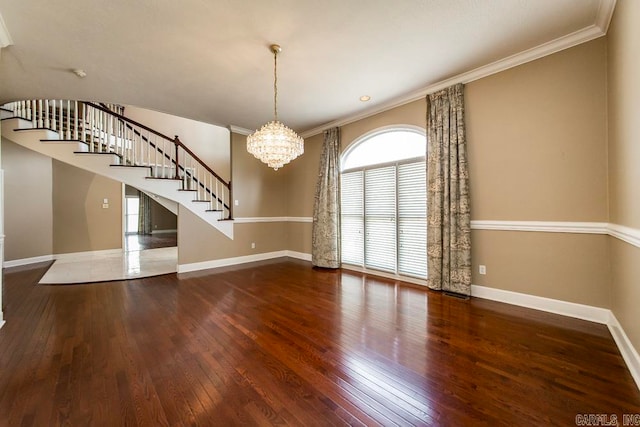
(384, 202)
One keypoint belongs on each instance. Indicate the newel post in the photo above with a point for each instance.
(176, 143)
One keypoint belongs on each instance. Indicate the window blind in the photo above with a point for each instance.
(412, 222)
(352, 217)
(384, 218)
(380, 218)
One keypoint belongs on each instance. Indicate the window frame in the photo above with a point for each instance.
(379, 131)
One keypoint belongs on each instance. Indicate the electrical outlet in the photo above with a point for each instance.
(105, 206)
(253, 245)
(236, 202)
(482, 269)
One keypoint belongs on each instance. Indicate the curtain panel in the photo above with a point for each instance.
(144, 213)
(448, 210)
(325, 251)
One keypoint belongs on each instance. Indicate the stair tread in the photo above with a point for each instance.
(131, 166)
(21, 130)
(63, 140)
(184, 189)
(213, 210)
(96, 152)
(172, 179)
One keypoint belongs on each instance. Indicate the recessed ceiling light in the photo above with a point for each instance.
(365, 98)
(79, 72)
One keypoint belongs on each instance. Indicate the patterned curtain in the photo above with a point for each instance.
(144, 214)
(325, 250)
(448, 212)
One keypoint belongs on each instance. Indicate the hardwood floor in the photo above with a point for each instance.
(281, 343)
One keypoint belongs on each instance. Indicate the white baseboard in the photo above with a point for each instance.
(225, 262)
(564, 308)
(26, 261)
(299, 255)
(78, 256)
(2, 322)
(71, 256)
(629, 353)
(164, 231)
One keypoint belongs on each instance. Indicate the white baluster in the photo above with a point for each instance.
(47, 121)
(212, 194)
(68, 119)
(217, 207)
(164, 158)
(155, 156)
(61, 121)
(52, 120)
(132, 136)
(75, 120)
(40, 114)
(92, 125)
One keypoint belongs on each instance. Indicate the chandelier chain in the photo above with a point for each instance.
(275, 84)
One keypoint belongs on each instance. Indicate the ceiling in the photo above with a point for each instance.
(209, 60)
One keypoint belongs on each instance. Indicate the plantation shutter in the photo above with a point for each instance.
(412, 221)
(380, 218)
(352, 219)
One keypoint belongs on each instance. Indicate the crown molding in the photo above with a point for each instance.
(604, 15)
(5, 37)
(240, 130)
(598, 29)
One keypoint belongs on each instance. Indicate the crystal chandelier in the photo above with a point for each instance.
(275, 144)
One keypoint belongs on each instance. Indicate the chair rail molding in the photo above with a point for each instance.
(626, 234)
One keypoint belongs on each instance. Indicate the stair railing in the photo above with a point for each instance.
(105, 131)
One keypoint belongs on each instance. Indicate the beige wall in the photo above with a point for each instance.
(623, 44)
(79, 221)
(414, 114)
(563, 266)
(199, 242)
(209, 142)
(162, 218)
(537, 152)
(537, 139)
(301, 176)
(261, 192)
(28, 215)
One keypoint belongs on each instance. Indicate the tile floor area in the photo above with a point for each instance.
(106, 267)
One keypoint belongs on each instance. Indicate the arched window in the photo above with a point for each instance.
(384, 202)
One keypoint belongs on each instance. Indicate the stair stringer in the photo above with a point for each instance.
(75, 153)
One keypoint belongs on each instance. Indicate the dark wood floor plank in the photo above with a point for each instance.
(280, 343)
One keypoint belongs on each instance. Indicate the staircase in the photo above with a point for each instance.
(95, 138)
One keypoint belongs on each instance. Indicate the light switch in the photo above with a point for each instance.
(105, 201)
(236, 202)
